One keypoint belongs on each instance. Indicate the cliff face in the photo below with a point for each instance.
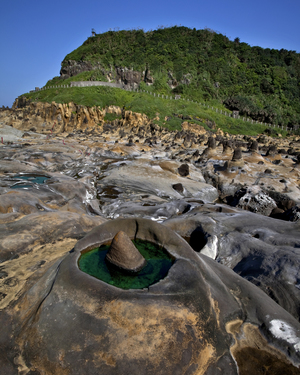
(59, 118)
(128, 77)
(72, 68)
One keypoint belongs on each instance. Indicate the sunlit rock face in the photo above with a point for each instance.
(261, 249)
(124, 255)
(201, 318)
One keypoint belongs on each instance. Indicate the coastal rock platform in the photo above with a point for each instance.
(230, 302)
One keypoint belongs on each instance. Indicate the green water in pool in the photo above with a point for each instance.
(158, 264)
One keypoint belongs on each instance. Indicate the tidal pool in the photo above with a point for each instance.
(158, 264)
(32, 178)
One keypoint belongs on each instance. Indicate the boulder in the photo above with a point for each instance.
(255, 200)
(292, 214)
(193, 128)
(272, 150)
(183, 170)
(178, 188)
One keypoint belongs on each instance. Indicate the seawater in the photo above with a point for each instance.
(158, 264)
(34, 179)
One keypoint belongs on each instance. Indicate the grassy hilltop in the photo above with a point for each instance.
(202, 65)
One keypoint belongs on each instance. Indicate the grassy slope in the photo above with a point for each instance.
(262, 83)
(148, 104)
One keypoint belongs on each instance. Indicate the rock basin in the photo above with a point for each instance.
(130, 264)
(201, 318)
(31, 178)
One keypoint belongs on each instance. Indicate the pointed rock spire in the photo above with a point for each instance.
(123, 254)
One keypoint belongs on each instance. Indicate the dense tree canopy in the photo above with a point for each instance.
(261, 83)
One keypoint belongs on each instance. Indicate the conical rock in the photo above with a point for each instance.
(123, 254)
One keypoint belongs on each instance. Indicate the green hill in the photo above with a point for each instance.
(202, 65)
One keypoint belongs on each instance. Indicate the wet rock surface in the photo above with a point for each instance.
(230, 218)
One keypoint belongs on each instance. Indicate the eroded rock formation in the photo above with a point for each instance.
(124, 255)
(202, 318)
(232, 295)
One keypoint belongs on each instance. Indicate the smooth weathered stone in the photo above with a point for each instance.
(203, 318)
(261, 249)
(123, 254)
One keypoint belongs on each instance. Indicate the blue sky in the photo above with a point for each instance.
(36, 35)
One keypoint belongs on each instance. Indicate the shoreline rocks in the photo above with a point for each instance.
(126, 174)
(203, 318)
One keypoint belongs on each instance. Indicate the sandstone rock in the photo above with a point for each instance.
(271, 150)
(40, 225)
(65, 309)
(237, 159)
(123, 254)
(227, 146)
(140, 178)
(255, 200)
(211, 143)
(193, 128)
(20, 236)
(237, 154)
(59, 118)
(220, 132)
(254, 146)
(259, 248)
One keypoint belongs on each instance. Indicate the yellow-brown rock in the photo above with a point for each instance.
(193, 128)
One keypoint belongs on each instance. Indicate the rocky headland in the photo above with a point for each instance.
(226, 209)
